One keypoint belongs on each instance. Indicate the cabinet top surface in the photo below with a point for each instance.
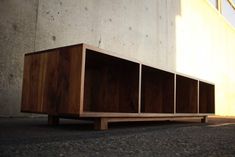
(118, 55)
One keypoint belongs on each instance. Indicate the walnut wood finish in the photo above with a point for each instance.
(102, 123)
(157, 91)
(82, 81)
(51, 82)
(206, 98)
(186, 95)
(111, 84)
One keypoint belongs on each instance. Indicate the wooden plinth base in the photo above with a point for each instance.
(102, 123)
(204, 119)
(53, 120)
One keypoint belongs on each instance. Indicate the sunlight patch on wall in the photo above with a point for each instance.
(205, 48)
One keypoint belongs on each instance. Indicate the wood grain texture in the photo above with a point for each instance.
(139, 115)
(83, 82)
(70, 80)
(206, 98)
(52, 81)
(33, 78)
(157, 95)
(111, 84)
(102, 123)
(186, 95)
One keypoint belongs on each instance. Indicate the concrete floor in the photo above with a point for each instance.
(33, 137)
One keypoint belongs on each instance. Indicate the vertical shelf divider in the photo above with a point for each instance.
(198, 95)
(175, 93)
(82, 79)
(140, 80)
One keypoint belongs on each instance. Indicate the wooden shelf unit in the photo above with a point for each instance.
(82, 81)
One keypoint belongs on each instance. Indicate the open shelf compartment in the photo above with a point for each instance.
(186, 95)
(157, 91)
(81, 81)
(206, 98)
(111, 84)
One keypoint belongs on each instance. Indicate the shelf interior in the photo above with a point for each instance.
(206, 98)
(111, 84)
(186, 95)
(157, 91)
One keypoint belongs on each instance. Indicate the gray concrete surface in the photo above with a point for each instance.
(144, 30)
(33, 137)
(17, 37)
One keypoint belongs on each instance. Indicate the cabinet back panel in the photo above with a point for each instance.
(111, 84)
(157, 91)
(206, 98)
(186, 95)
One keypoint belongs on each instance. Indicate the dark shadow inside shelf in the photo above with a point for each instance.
(111, 84)
(186, 95)
(207, 99)
(157, 91)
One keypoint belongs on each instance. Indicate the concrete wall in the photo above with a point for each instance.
(17, 36)
(134, 28)
(156, 32)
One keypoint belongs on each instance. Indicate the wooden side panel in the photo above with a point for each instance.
(33, 78)
(206, 98)
(186, 95)
(111, 84)
(52, 81)
(69, 85)
(157, 95)
(50, 94)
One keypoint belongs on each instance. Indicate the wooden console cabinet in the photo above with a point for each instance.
(85, 82)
